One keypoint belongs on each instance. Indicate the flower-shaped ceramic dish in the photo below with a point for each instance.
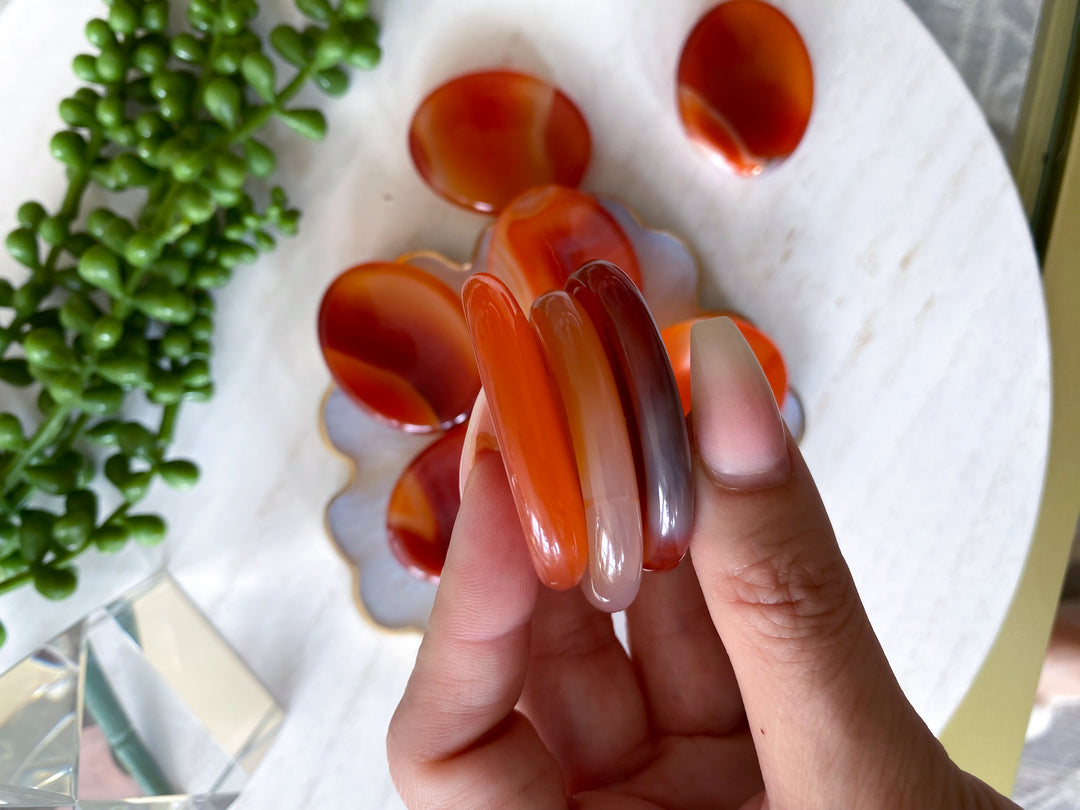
(356, 517)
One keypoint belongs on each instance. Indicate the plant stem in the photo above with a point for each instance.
(46, 432)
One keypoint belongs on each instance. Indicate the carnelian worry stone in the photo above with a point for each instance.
(677, 342)
(546, 234)
(531, 427)
(395, 340)
(745, 85)
(651, 402)
(481, 139)
(605, 459)
(424, 505)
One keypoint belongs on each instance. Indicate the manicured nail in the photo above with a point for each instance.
(737, 427)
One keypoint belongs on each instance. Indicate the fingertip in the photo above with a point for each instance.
(738, 431)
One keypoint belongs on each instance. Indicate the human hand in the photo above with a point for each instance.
(754, 679)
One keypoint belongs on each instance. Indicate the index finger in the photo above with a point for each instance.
(455, 735)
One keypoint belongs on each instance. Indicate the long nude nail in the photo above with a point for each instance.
(737, 427)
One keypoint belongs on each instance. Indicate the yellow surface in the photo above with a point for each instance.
(986, 734)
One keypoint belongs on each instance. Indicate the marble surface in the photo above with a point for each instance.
(889, 258)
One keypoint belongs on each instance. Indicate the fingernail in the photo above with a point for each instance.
(737, 427)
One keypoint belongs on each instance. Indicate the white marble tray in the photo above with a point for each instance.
(889, 258)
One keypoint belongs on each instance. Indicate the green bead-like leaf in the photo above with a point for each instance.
(364, 55)
(100, 267)
(99, 34)
(111, 64)
(166, 305)
(12, 565)
(179, 474)
(196, 204)
(223, 100)
(75, 113)
(146, 530)
(135, 439)
(47, 349)
(130, 171)
(211, 276)
(72, 531)
(354, 9)
(187, 48)
(289, 45)
(258, 71)
(9, 540)
(52, 479)
(166, 388)
(309, 123)
(176, 342)
(124, 369)
(315, 9)
(84, 66)
(123, 18)
(332, 49)
(106, 332)
(102, 400)
(82, 501)
(54, 230)
(7, 293)
(30, 215)
(141, 250)
(333, 81)
(14, 371)
(103, 434)
(109, 539)
(22, 244)
(11, 433)
(196, 374)
(78, 314)
(155, 15)
(135, 487)
(55, 582)
(230, 170)
(260, 159)
(35, 534)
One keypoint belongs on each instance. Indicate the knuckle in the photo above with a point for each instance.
(791, 593)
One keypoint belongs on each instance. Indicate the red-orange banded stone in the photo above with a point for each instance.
(531, 427)
(745, 85)
(483, 138)
(424, 505)
(547, 233)
(395, 340)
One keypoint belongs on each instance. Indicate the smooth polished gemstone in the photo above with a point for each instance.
(395, 340)
(546, 234)
(650, 396)
(605, 461)
(531, 427)
(424, 505)
(481, 139)
(449, 272)
(677, 342)
(745, 85)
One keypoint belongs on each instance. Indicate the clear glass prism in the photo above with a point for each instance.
(141, 704)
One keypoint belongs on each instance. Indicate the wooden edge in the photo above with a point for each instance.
(986, 734)
(1042, 99)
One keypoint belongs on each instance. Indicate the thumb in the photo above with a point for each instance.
(830, 723)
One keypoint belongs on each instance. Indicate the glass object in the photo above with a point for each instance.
(651, 401)
(745, 85)
(546, 234)
(394, 338)
(605, 460)
(141, 704)
(531, 428)
(424, 505)
(481, 139)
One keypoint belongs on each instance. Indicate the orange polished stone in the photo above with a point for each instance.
(745, 85)
(424, 505)
(481, 139)
(546, 234)
(532, 430)
(677, 342)
(395, 340)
